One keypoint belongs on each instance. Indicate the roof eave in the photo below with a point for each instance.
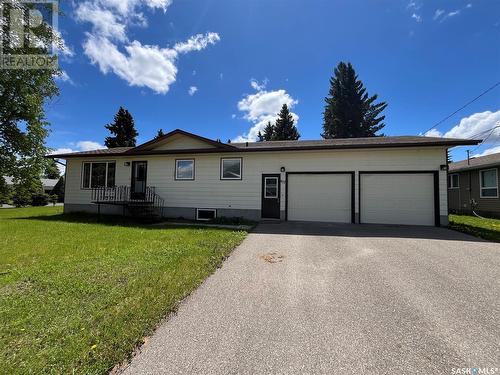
(135, 151)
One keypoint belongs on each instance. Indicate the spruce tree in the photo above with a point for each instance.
(349, 111)
(123, 130)
(51, 170)
(268, 132)
(285, 129)
(160, 133)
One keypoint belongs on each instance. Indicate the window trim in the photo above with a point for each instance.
(107, 162)
(231, 178)
(176, 178)
(491, 187)
(450, 181)
(265, 186)
(214, 210)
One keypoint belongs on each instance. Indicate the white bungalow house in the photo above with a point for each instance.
(389, 180)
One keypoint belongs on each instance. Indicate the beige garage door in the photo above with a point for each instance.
(397, 198)
(319, 197)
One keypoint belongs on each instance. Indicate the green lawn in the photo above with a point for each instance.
(489, 229)
(78, 294)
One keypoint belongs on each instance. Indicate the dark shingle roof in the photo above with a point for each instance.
(475, 163)
(322, 144)
(100, 152)
(395, 141)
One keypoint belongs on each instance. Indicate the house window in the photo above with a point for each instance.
(98, 174)
(271, 187)
(184, 169)
(453, 181)
(489, 183)
(230, 169)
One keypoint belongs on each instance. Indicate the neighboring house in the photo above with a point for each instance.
(391, 180)
(47, 183)
(474, 184)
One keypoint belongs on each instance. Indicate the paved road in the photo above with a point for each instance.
(323, 298)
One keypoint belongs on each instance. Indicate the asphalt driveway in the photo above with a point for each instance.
(326, 298)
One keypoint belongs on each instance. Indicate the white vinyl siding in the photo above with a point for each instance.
(208, 190)
(319, 197)
(397, 198)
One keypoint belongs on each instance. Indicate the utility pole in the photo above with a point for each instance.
(468, 157)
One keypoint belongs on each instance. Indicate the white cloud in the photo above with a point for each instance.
(261, 107)
(80, 146)
(489, 151)
(416, 17)
(477, 126)
(197, 42)
(64, 77)
(89, 145)
(443, 16)
(433, 133)
(413, 5)
(108, 46)
(258, 86)
(104, 22)
(192, 90)
(438, 13)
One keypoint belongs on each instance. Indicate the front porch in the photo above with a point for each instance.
(146, 204)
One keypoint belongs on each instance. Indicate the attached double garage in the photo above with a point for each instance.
(382, 197)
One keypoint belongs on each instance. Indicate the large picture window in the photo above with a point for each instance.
(230, 169)
(489, 183)
(98, 174)
(184, 169)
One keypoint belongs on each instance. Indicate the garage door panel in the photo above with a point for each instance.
(319, 197)
(397, 198)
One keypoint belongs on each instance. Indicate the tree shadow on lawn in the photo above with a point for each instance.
(113, 220)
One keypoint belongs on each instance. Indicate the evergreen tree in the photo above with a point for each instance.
(123, 129)
(260, 137)
(160, 133)
(51, 170)
(268, 133)
(349, 111)
(284, 129)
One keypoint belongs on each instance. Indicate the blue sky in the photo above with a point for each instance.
(222, 68)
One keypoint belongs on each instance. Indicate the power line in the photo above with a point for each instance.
(462, 107)
(484, 140)
(484, 131)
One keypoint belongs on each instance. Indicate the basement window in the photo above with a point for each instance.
(206, 214)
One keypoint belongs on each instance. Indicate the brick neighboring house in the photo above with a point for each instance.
(476, 181)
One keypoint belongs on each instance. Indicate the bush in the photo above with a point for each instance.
(21, 198)
(40, 200)
(53, 198)
(5, 192)
(232, 221)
